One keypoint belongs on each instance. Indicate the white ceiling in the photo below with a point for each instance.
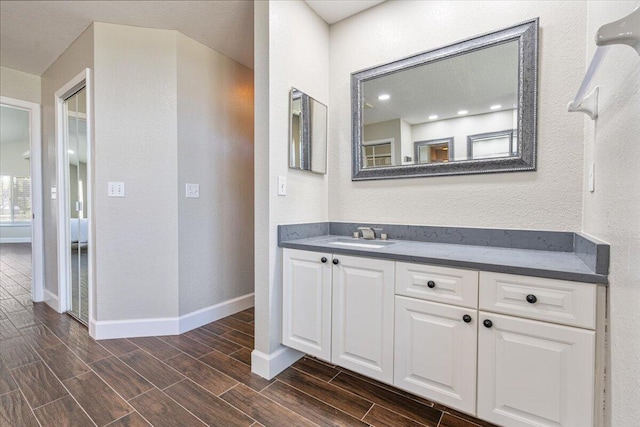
(333, 11)
(471, 82)
(33, 34)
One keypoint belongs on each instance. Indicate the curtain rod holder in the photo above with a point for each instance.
(589, 105)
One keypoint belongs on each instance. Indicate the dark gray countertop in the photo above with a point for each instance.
(527, 262)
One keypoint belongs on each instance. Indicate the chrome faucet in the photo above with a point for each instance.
(368, 233)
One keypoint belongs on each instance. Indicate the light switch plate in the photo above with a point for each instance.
(282, 186)
(193, 191)
(115, 189)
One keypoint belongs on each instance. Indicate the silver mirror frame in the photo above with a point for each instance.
(526, 34)
(306, 145)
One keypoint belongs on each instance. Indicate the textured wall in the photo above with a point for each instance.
(546, 199)
(612, 212)
(215, 150)
(135, 142)
(297, 54)
(77, 57)
(19, 85)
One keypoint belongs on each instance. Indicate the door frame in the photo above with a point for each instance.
(83, 79)
(35, 169)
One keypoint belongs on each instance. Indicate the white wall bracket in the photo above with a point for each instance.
(623, 31)
(589, 105)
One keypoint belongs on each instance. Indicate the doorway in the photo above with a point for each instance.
(74, 198)
(21, 222)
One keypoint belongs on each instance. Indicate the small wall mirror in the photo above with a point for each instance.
(466, 108)
(307, 133)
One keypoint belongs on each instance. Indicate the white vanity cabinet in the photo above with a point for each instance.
(435, 352)
(512, 350)
(306, 314)
(436, 333)
(363, 316)
(534, 367)
(340, 308)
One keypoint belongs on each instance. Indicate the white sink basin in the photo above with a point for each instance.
(361, 243)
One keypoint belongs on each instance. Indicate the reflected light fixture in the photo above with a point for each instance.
(495, 107)
(433, 117)
(463, 112)
(384, 97)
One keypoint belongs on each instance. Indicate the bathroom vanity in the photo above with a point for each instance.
(508, 328)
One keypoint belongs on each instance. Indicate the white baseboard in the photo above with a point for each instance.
(51, 300)
(15, 239)
(108, 329)
(270, 365)
(212, 313)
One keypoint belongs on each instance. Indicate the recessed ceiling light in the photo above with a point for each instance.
(384, 97)
(71, 151)
(463, 112)
(433, 117)
(495, 107)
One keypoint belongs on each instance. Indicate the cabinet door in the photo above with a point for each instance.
(435, 352)
(533, 373)
(306, 319)
(363, 316)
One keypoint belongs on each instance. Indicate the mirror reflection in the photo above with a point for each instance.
(408, 112)
(308, 133)
(464, 108)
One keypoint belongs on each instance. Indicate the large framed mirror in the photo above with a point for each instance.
(466, 108)
(307, 133)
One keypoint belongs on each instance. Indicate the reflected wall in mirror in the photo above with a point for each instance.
(307, 133)
(445, 111)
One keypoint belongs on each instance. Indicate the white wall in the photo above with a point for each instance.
(461, 127)
(77, 57)
(612, 212)
(292, 49)
(136, 237)
(215, 150)
(396, 29)
(19, 85)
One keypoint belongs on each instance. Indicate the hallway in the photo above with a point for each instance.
(53, 374)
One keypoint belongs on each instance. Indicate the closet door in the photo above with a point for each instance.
(75, 110)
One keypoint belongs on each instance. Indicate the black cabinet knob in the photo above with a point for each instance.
(487, 323)
(531, 299)
(466, 318)
(335, 261)
(323, 259)
(431, 284)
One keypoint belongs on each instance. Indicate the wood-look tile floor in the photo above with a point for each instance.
(53, 374)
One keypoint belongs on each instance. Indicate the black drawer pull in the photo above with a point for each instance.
(487, 323)
(531, 299)
(466, 318)
(335, 261)
(431, 284)
(323, 259)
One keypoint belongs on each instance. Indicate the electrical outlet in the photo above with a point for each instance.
(193, 191)
(115, 189)
(282, 186)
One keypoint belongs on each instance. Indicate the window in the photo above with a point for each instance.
(16, 199)
(378, 153)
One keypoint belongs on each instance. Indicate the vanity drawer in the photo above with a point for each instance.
(558, 301)
(441, 284)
